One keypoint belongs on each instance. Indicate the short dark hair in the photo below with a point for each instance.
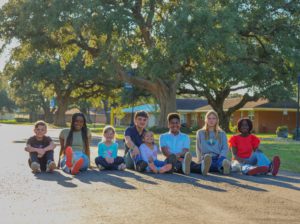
(141, 113)
(40, 123)
(171, 116)
(249, 122)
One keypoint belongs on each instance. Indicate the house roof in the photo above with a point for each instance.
(146, 107)
(181, 105)
(254, 105)
(189, 104)
(76, 110)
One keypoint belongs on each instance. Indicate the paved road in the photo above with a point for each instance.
(130, 197)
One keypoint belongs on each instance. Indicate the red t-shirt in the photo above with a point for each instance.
(244, 145)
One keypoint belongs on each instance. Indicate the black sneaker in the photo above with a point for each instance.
(141, 166)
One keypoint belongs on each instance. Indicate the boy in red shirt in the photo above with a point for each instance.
(245, 153)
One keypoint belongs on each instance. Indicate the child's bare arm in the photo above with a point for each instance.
(165, 151)
(50, 147)
(235, 156)
(131, 145)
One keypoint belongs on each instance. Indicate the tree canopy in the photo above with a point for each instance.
(208, 48)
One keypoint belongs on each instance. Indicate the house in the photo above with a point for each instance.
(185, 107)
(151, 109)
(266, 116)
(98, 116)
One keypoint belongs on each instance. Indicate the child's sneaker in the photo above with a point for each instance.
(100, 167)
(76, 167)
(141, 166)
(69, 157)
(122, 166)
(186, 163)
(50, 166)
(226, 166)
(205, 164)
(275, 165)
(36, 168)
(258, 170)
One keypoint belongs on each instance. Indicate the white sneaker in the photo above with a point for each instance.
(235, 166)
(101, 167)
(226, 166)
(36, 168)
(50, 166)
(186, 163)
(122, 166)
(205, 164)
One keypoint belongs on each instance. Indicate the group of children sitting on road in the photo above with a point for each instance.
(141, 152)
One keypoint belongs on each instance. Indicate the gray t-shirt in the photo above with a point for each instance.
(214, 146)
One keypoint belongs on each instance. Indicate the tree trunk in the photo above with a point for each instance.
(33, 116)
(60, 115)
(224, 121)
(48, 114)
(106, 111)
(167, 103)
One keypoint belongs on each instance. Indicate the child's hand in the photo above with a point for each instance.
(40, 152)
(109, 160)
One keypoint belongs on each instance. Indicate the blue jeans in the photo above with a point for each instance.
(76, 156)
(216, 164)
(48, 156)
(258, 158)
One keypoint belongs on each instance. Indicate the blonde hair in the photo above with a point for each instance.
(40, 123)
(217, 128)
(106, 129)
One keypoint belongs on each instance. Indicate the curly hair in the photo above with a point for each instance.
(249, 122)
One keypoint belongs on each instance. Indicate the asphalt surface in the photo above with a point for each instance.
(130, 197)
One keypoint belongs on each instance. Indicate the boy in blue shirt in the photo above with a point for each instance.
(133, 140)
(175, 147)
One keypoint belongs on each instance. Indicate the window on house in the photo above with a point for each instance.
(251, 115)
(194, 119)
(183, 118)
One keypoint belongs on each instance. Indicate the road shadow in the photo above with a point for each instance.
(219, 178)
(181, 178)
(281, 180)
(107, 177)
(57, 177)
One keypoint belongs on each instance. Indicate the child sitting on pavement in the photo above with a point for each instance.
(246, 155)
(40, 148)
(149, 154)
(108, 152)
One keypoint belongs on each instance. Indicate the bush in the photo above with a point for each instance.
(282, 131)
(21, 120)
(186, 130)
(158, 130)
(195, 128)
